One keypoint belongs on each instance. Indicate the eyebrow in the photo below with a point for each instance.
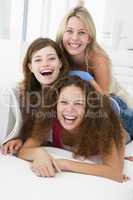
(51, 54)
(79, 100)
(82, 29)
(36, 56)
(75, 100)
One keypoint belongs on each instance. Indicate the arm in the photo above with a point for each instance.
(111, 167)
(42, 163)
(96, 86)
(28, 149)
(102, 73)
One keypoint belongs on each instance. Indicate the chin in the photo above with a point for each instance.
(47, 83)
(72, 52)
(68, 128)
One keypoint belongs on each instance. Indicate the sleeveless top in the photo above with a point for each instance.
(56, 141)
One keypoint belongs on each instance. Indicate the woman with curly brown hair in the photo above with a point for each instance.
(85, 124)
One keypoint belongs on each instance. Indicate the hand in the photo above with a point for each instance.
(12, 146)
(44, 164)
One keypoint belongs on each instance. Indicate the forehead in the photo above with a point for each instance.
(75, 21)
(72, 93)
(44, 51)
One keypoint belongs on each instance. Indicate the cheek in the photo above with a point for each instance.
(59, 110)
(65, 37)
(81, 113)
(57, 72)
(34, 67)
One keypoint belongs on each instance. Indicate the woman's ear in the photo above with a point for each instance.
(89, 39)
(60, 64)
(30, 67)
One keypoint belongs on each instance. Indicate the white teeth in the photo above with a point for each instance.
(46, 71)
(74, 45)
(69, 117)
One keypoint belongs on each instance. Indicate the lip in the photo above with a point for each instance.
(74, 45)
(69, 120)
(46, 72)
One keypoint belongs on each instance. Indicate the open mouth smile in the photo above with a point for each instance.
(47, 72)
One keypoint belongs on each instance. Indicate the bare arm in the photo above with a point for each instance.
(102, 73)
(28, 150)
(111, 167)
(96, 86)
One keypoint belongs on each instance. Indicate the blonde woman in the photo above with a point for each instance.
(77, 39)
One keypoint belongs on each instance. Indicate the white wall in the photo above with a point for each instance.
(10, 66)
(118, 23)
(5, 11)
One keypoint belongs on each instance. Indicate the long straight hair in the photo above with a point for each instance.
(83, 14)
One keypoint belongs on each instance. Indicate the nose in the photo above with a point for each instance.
(70, 108)
(45, 63)
(75, 36)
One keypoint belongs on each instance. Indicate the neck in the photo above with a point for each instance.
(79, 59)
(45, 86)
(70, 137)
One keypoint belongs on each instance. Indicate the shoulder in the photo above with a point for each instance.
(99, 57)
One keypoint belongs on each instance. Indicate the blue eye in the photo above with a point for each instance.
(63, 102)
(52, 58)
(78, 103)
(81, 33)
(69, 31)
(37, 60)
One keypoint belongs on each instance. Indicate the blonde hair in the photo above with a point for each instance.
(83, 14)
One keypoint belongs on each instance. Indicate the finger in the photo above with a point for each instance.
(39, 171)
(17, 147)
(44, 172)
(56, 166)
(130, 158)
(35, 170)
(5, 149)
(51, 169)
(2, 150)
(125, 178)
(11, 149)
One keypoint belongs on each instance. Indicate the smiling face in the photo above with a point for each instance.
(45, 65)
(71, 107)
(76, 37)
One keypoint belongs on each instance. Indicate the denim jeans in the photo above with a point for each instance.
(126, 115)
